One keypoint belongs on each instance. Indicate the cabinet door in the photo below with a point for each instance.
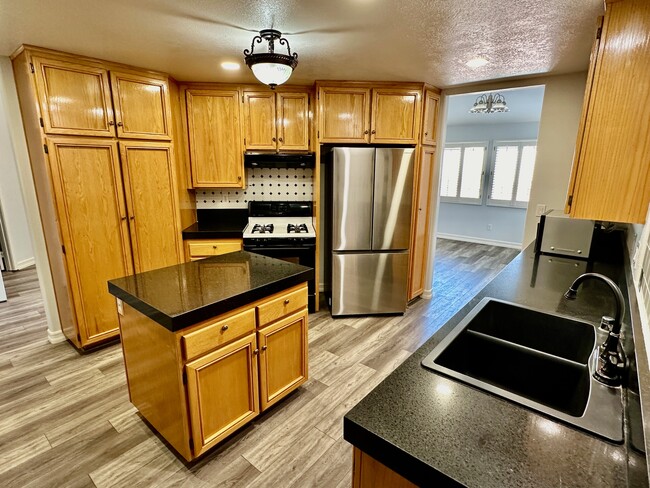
(283, 358)
(421, 216)
(222, 390)
(142, 106)
(216, 155)
(74, 98)
(430, 120)
(154, 222)
(259, 121)
(611, 175)
(344, 114)
(395, 116)
(293, 121)
(92, 216)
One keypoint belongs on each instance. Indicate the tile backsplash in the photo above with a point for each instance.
(641, 273)
(262, 184)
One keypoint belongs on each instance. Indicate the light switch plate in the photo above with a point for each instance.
(120, 306)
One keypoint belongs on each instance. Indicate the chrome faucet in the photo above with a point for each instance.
(611, 359)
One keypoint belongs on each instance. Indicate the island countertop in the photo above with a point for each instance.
(439, 432)
(185, 294)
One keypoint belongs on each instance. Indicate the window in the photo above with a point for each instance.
(463, 166)
(512, 173)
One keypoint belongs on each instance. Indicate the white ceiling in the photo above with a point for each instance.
(525, 105)
(417, 40)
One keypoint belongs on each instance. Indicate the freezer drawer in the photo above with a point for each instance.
(369, 283)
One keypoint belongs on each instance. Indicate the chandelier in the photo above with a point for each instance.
(269, 67)
(489, 104)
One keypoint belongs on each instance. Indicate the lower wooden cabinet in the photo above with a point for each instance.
(283, 357)
(222, 392)
(200, 384)
(204, 248)
(370, 473)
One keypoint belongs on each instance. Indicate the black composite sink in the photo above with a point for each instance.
(540, 360)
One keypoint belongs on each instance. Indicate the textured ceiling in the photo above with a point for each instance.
(423, 40)
(525, 105)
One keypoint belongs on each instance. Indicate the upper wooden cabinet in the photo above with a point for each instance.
(430, 119)
(213, 122)
(276, 121)
(75, 99)
(610, 179)
(381, 115)
(142, 106)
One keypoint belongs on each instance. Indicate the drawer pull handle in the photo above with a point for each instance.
(263, 348)
(286, 302)
(225, 327)
(214, 247)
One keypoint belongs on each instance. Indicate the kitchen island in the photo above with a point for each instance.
(420, 428)
(210, 344)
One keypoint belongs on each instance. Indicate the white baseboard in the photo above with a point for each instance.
(55, 337)
(25, 263)
(427, 294)
(478, 240)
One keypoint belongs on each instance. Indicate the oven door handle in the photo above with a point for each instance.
(267, 249)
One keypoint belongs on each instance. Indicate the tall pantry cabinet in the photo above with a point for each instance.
(100, 144)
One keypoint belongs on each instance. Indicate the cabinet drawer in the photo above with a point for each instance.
(282, 305)
(199, 249)
(213, 335)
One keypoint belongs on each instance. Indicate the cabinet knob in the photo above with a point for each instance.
(224, 328)
(123, 218)
(256, 351)
(286, 302)
(273, 139)
(239, 178)
(214, 247)
(120, 124)
(132, 217)
(280, 139)
(365, 131)
(110, 122)
(426, 133)
(373, 131)
(263, 348)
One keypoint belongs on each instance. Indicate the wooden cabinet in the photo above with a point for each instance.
(203, 248)
(276, 121)
(370, 473)
(395, 116)
(344, 114)
(283, 357)
(430, 119)
(421, 218)
(198, 385)
(142, 106)
(222, 392)
(213, 121)
(357, 114)
(87, 184)
(153, 215)
(610, 179)
(76, 99)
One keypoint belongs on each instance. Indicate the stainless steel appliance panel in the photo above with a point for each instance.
(393, 192)
(365, 284)
(352, 198)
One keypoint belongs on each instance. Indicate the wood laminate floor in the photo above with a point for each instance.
(66, 421)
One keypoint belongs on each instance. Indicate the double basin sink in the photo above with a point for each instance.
(540, 360)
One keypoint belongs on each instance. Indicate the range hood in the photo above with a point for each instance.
(279, 160)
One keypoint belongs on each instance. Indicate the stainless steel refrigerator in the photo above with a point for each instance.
(371, 227)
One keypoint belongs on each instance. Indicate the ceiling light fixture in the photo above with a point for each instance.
(271, 68)
(477, 62)
(489, 104)
(230, 66)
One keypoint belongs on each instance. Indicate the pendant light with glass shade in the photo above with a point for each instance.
(271, 68)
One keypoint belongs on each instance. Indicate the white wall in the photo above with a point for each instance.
(471, 221)
(9, 98)
(13, 215)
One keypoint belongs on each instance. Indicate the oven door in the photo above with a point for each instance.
(303, 255)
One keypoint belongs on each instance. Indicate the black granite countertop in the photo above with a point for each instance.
(182, 295)
(439, 432)
(218, 224)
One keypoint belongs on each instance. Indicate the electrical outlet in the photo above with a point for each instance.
(489, 227)
(540, 209)
(120, 306)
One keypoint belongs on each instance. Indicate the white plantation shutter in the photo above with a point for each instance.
(461, 179)
(512, 173)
